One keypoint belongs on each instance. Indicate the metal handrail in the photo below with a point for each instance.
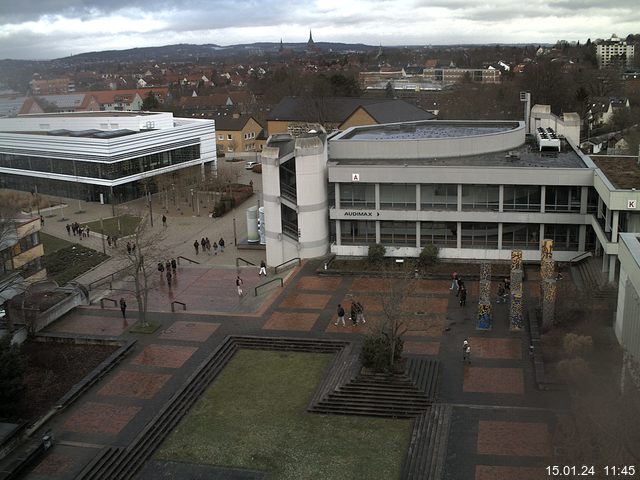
(255, 290)
(578, 258)
(238, 259)
(173, 306)
(102, 300)
(187, 259)
(102, 279)
(297, 259)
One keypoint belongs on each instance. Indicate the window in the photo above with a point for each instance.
(357, 195)
(521, 198)
(565, 237)
(357, 232)
(439, 197)
(401, 234)
(480, 197)
(562, 199)
(229, 136)
(398, 196)
(480, 235)
(520, 236)
(230, 148)
(220, 137)
(440, 234)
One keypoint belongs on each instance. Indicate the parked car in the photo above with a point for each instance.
(250, 165)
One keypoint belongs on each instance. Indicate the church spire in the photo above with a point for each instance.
(310, 42)
(281, 47)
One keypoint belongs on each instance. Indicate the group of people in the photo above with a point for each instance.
(166, 268)
(357, 314)
(504, 289)
(461, 290)
(77, 230)
(205, 244)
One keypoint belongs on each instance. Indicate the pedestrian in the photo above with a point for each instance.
(501, 294)
(164, 221)
(169, 278)
(463, 296)
(454, 280)
(221, 244)
(215, 248)
(160, 269)
(360, 313)
(465, 344)
(459, 285)
(109, 240)
(80, 233)
(507, 285)
(68, 227)
(86, 231)
(340, 316)
(354, 314)
(133, 248)
(73, 229)
(196, 245)
(128, 248)
(263, 269)
(115, 241)
(239, 283)
(123, 307)
(41, 221)
(167, 265)
(174, 265)
(466, 354)
(203, 244)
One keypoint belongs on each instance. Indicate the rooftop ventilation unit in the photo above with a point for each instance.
(547, 139)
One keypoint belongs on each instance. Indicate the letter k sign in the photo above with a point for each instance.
(631, 204)
(355, 177)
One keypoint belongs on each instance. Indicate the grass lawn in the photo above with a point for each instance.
(53, 244)
(253, 416)
(71, 261)
(128, 224)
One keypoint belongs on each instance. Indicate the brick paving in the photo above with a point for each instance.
(488, 440)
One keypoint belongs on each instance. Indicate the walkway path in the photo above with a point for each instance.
(501, 425)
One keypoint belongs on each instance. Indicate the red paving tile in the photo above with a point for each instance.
(318, 283)
(134, 384)
(421, 348)
(425, 304)
(521, 439)
(493, 380)
(491, 472)
(426, 325)
(429, 326)
(189, 331)
(305, 300)
(371, 285)
(54, 464)
(432, 286)
(80, 324)
(302, 322)
(507, 348)
(167, 356)
(101, 418)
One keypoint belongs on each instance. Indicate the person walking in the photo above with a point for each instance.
(501, 294)
(109, 240)
(239, 283)
(454, 280)
(174, 265)
(221, 244)
(465, 344)
(459, 285)
(215, 248)
(160, 269)
(167, 265)
(360, 313)
(463, 296)
(128, 248)
(123, 307)
(115, 241)
(467, 354)
(354, 314)
(41, 221)
(164, 221)
(340, 316)
(196, 245)
(263, 269)
(68, 227)
(169, 276)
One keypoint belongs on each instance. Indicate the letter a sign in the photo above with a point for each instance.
(355, 177)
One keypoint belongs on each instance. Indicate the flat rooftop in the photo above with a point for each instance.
(525, 156)
(428, 130)
(104, 113)
(622, 172)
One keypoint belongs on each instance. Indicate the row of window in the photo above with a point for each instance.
(247, 136)
(445, 234)
(26, 243)
(474, 197)
(107, 171)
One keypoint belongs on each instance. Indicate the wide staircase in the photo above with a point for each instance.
(426, 456)
(594, 281)
(405, 395)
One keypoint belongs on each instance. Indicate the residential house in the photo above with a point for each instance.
(297, 115)
(238, 134)
(74, 102)
(52, 86)
(603, 108)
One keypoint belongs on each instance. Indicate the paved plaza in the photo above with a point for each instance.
(501, 426)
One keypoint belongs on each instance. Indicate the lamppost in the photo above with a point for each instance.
(193, 207)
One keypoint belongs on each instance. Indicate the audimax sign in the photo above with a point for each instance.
(361, 213)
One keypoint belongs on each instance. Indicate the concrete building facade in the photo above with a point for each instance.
(614, 50)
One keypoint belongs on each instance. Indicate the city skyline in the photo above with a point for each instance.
(49, 29)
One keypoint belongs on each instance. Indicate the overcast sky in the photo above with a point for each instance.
(44, 29)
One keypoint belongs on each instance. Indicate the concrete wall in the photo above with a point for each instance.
(627, 320)
(567, 125)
